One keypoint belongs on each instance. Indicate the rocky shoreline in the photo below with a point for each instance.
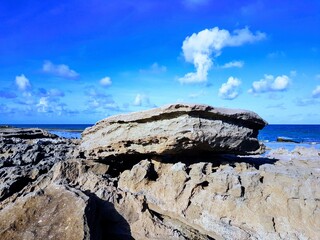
(178, 172)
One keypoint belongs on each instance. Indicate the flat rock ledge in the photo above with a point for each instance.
(25, 133)
(174, 129)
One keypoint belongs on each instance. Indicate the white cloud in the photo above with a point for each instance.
(43, 105)
(60, 70)
(55, 93)
(238, 64)
(139, 99)
(276, 54)
(270, 84)
(316, 92)
(155, 68)
(142, 100)
(198, 94)
(229, 90)
(106, 81)
(199, 47)
(22, 82)
(293, 73)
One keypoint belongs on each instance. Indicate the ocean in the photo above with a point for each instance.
(305, 135)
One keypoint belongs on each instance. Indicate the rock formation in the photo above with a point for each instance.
(25, 133)
(50, 189)
(174, 129)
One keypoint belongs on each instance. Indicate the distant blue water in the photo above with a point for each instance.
(62, 130)
(306, 135)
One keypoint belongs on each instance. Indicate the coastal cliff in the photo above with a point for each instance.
(177, 172)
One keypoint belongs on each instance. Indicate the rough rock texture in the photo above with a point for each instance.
(25, 133)
(49, 190)
(235, 200)
(50, 213)
(22, 160)
(174, 129)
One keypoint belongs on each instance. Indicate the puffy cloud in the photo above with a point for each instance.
(229, 90)
(270, 84)
(139, 99)
(60, 70)
(142, 100)
(22, 82)
(316, 92)
(43, 105)
(7, 94)
(105, 82)
(100, 100)
(238, 64)
(199, 47)
(155, 68)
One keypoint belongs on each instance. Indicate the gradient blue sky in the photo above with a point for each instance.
(79, 61)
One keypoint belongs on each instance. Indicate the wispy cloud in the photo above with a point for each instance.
(276, 54)
(230, 89)
(49, 93)
(155, 68)
(199, 48)
(232, 64)
(302, 102)
(316, 92)
(277, 106)
(293, 73)
(270, 84)
(60, 70)
(198, 94)
(105, 82)
(22, 82)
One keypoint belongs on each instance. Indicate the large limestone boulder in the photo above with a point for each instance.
(174, 129)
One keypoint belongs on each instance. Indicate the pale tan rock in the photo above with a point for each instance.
(174, 129)
(276, 201)
(53, 213)
(192, 197)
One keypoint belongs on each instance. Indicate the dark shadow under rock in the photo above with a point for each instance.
(104, 222)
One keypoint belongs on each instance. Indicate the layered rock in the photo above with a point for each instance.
(48, 189)
(174, 129)
(25, 133)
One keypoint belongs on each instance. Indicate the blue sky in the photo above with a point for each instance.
(79, 61)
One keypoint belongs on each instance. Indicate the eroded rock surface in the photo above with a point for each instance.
(25, 133)
(49, 190)
(23, 160)
(174, 129)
